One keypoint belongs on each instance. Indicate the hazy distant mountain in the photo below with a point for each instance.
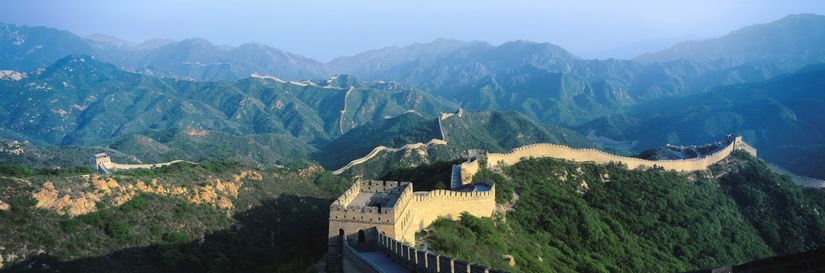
(199, 59)
(781, 117)
(543, 80)
(631, 50)
(792, 42)
(431, 64)
(379, 60)
(24, 48)
(108, 39)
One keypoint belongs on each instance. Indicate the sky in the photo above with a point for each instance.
(324, 29)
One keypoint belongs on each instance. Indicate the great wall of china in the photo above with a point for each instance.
(391, 209)
(344, 111)
(103, 162)
(471, 167)
(372, 226)
(377, 150)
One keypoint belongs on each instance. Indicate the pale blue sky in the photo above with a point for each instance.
(324, 29)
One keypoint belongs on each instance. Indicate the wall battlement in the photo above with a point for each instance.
(391, 207)
(425, 261)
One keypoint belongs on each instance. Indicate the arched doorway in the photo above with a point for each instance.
(361, 236)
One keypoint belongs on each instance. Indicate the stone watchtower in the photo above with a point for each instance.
(101, 160)
(370, 209)
(366, 204)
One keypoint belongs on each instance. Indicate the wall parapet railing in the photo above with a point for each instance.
(425, 261)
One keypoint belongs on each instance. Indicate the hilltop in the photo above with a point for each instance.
(594, 218)
(781, 117)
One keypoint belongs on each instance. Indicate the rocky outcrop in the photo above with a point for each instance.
(511, 261)
(11, 75)
(4, 206)
(193, 132)
(12, 147)
(66, 201)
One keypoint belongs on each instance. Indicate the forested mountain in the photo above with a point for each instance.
(81, 101)
(543, 80)
(782, 118)
(488, 130)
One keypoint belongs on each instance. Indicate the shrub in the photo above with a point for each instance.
(118, 230)
(176, 237)
(15, 170)
(137, 203)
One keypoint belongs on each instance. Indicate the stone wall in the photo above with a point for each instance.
(593, 155)
(377, 150)
(426, 207)
(412, 211)
(468, 169)
(350, 219)
(425, 261)
(353, 262)
(119, 166)
(106, 162)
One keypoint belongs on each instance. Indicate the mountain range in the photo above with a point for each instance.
(158, 95)
(516, 75)
(782, 116)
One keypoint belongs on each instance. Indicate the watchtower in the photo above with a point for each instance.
(101, 160)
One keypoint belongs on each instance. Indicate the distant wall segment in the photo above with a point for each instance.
(103, 160)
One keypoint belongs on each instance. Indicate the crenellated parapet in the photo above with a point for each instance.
(425, 261)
